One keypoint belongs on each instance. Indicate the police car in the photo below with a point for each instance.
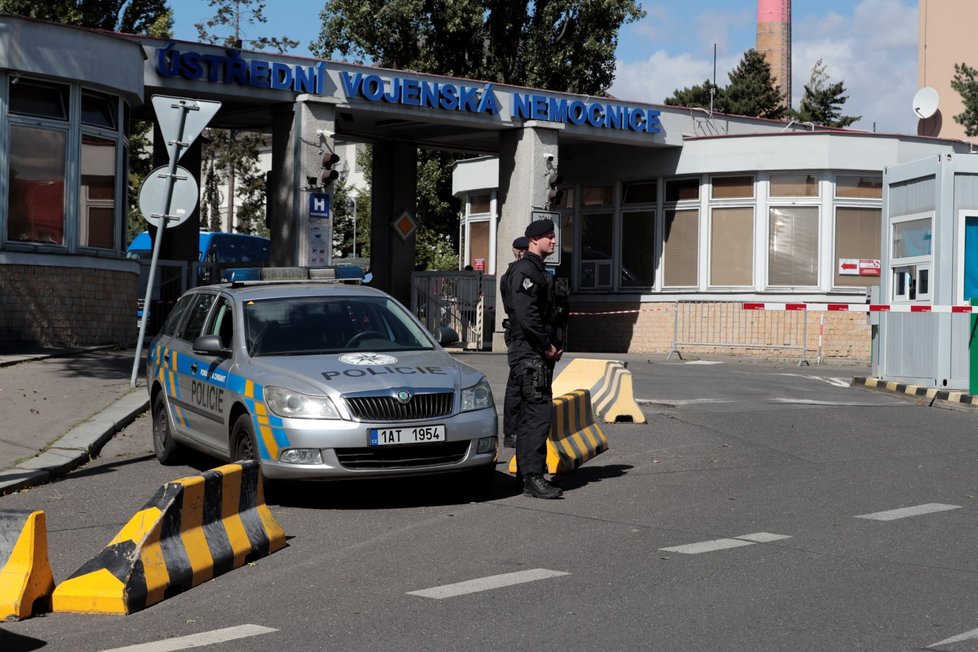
(316, 381)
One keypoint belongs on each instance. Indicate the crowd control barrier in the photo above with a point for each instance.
(610, 384)
(26, 582)
(192, 530)
(574, 436)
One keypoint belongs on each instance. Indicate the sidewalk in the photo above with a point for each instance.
(57, 410)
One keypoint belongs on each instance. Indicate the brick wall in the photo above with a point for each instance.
(63, 307)
(845, 336)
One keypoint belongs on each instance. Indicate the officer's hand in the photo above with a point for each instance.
(552, 354)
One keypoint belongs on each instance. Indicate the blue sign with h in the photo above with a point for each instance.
(319, 204)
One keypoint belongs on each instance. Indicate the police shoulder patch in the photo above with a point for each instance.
(527, 284)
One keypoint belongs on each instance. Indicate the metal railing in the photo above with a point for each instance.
(454, 299)
(726, 325)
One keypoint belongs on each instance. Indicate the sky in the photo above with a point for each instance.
(870, 45)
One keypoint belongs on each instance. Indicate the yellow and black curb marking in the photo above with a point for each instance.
(192, 530)
(574, 436)
(961, 398)
(26, 582)
(610, 384)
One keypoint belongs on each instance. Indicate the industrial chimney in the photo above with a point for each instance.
(774, 42)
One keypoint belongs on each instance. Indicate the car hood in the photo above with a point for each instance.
(367, 372)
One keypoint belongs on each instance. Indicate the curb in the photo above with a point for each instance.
(963, 399)
(11, 360)
(78, 446)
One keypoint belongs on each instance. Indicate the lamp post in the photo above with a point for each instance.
(351, 203)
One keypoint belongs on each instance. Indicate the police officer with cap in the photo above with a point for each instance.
(511, 405)
(532, 353)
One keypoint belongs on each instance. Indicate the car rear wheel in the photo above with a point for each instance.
(166, 449)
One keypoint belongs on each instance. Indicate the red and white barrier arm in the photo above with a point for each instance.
(858, 307)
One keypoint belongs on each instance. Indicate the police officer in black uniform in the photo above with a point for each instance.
(511, 405)
(532, 353)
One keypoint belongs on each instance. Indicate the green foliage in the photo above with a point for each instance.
(129, 16)
(752, 91)
(698, 95)
(344, 206)
(822, 102)
(210, 205)
(965, 82)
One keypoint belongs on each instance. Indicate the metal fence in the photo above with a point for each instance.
(726, 325)
(463, 301)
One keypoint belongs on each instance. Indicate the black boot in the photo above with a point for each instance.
(536, 486)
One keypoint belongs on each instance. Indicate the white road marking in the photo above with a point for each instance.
(725, 544)
(703, 362)
(197, 640)
(957, 639)
(835, 381)
(809, 401)
(906, 512)
(681, 401)
(487, 583)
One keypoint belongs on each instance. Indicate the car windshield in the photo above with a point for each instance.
(316, 325)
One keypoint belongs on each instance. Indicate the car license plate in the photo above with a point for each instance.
(406, 435)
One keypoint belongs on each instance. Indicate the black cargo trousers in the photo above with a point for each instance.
(532, 374)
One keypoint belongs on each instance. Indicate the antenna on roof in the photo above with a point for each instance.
(713, 87)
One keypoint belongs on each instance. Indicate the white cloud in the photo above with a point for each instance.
(874, 52)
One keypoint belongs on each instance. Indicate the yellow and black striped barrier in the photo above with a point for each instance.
(610, 383)
(26, 582)
(192, 530)
(574, 436)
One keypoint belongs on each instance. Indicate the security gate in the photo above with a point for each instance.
(463, 301)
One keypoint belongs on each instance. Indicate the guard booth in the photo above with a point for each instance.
(929, 258)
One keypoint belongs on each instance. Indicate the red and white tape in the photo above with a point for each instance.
(858, 307)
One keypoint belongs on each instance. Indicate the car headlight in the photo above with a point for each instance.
(286, 403)
(477, 397)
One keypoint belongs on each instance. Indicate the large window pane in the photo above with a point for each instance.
(732, 246)
(857, 235)
(793, 246)
(37, 98)
(97, 198)
(637, 249)
(682, 189)
(640, 193)
(911, 238)
(597, 195)
(37, 185)
(859, 187)
(479, 204)
(479, 245)
(681, 248)
(794, 185)
(596, 242)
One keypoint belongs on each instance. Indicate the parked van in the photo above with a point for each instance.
(218, 253)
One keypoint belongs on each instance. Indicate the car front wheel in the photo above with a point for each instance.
(166, 449)
(243, 445)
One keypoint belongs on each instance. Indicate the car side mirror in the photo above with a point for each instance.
(445, 335)
(210, 345)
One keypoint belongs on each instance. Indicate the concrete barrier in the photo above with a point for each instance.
(610, 384)
(26, 582)
(192, 530)
(574, 436)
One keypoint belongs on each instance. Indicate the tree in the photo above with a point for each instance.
(560, 45)
(234, 154)
(822, 102)
(128, 16)
(698, 95)
(965, 82)
(752, 91)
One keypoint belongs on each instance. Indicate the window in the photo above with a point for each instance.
(638, 249)
(173, 319)
(597, 195)
(681, 247)
(479, 204)
(223, 323)
(682, 189)
(793, 246)
(38, 99)
(733, 187)
(198, 315)
(597, 231)
(37, 185)
(732, 246)
(794, 185)
(566, 200)
(911, 238)
(99, 110)
(97, 193)
(857, 187)
(478, 244)
(857, 237)
(640, 193)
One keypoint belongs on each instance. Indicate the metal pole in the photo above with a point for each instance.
(167, 198)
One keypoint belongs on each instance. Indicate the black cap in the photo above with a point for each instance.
(521, 243)
(538, 228)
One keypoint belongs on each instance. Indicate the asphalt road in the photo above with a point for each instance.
(763, 507)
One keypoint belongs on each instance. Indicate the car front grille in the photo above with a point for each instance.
(402, 457)
(387, 408)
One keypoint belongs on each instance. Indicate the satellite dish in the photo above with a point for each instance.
(925, 102)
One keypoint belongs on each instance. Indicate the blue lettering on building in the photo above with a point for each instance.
(418, 92)
(603, 115)
(232, 69)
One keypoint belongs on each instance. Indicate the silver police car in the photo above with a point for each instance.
(317, 381)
